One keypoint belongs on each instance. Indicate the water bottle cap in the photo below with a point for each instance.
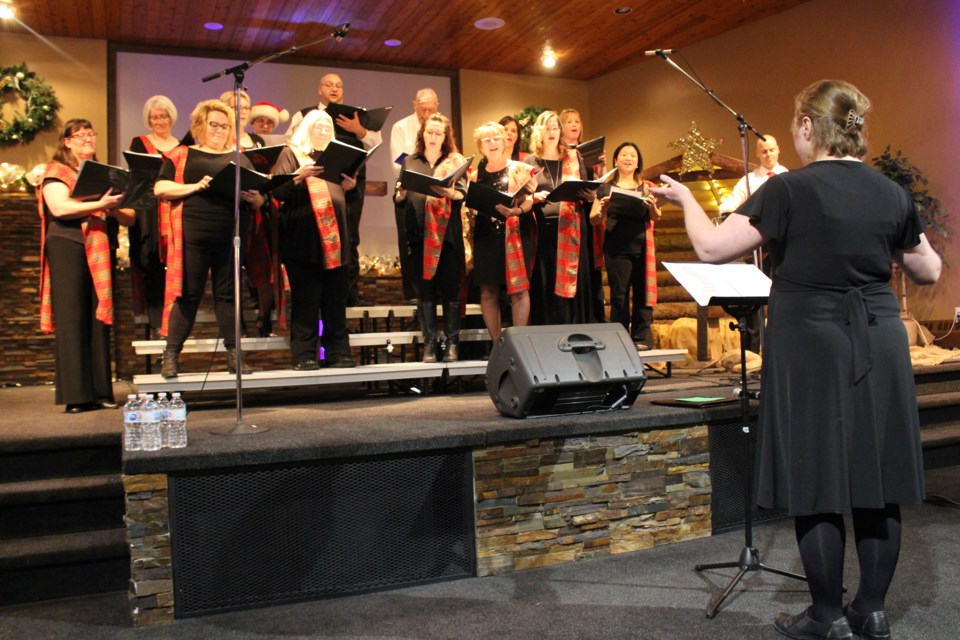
(131, 396)
(176, 394)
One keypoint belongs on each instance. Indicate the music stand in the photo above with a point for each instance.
(740, 289)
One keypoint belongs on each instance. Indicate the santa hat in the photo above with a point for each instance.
(270, 112)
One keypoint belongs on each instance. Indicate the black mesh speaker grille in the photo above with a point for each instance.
(730, 450)
(244, 538)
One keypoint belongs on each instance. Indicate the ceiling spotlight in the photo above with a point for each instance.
(489, 24)
(549, 58)
(622, 10)
(212, 26)
(393, 42)
(6, 11)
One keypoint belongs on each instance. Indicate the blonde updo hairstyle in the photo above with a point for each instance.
(487, 130)
(198, 121)
(537, 136)
(837, 110)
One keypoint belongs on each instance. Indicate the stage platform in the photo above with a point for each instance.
(360, 492)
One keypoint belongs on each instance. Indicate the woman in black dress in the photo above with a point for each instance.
(146, 260)
(628, 246)
(848, 442)
(76, 275)
(502, 239)
(201, 228)
(561, 292)
(315, 248)
(435, 234)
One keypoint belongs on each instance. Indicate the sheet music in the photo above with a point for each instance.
(712, 283)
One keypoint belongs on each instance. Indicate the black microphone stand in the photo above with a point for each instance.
(742, 127)
(749, 559)
(238, 72)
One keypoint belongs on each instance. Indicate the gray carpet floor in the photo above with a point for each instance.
(653, 594)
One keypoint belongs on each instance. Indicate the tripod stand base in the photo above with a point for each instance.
(239, 429)
(749, 561)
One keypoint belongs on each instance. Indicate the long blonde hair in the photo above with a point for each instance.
(536, 137)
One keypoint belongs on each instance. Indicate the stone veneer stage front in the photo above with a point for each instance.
(352, 495)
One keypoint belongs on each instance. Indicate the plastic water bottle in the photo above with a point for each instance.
(163, 406)
(150, 413)
(131, 424)
(177, 419)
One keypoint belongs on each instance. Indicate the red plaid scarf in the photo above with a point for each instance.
(171, 228)
(568, 234)
(326, 218)
(650, 266)
(96, 246)
(516, 269)
(436, 216)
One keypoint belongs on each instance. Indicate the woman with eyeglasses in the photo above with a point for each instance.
(315, 247)
(503, 237)
(200, 232)
(146, 264)
(76, 287)
(560, 290)
(435, 235)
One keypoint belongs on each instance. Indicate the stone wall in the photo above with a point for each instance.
(547, 502)
(148, 534)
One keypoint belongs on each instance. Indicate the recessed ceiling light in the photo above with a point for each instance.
(393, 42)
(489, 24)
(213, 26)
(622, 10)
(549, 58)
(6, 11)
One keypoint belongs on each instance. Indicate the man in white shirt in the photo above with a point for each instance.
(348, 131)
(768, 154)
(403, 139)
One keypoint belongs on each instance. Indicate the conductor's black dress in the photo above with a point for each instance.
(838, 426)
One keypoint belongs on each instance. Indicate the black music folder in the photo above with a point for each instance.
(372, 119)
(626, 203)
(481, 197)
(223, 183)
(339, 158)
(145, 162)
(96, 178)
(569, 191)
(263, 158)
(591, 150)
(422, 183)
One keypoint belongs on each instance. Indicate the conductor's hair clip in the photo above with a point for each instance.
(853, 120)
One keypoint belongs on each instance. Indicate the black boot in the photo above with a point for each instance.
(171, 363)
(451, 327)
(427, 311)
(232, 363)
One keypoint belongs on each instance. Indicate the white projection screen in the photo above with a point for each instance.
(139, 75)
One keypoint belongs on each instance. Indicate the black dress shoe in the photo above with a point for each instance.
(80, 408)
(342, 361)
(108, 404)
(803, 627)
(306, 365)
(869, 627)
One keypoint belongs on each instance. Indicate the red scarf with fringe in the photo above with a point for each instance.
(568, 233)
(436, 217)
(96, 246)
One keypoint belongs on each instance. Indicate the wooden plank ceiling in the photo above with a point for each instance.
(589, 38)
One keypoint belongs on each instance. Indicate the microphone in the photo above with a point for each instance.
(660, 52)
(341, 32)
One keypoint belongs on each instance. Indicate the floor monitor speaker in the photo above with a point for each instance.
(558, 369)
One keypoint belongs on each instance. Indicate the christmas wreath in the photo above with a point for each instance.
(40, 105)
(525, 119)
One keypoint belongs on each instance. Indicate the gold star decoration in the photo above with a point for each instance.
(696, 150)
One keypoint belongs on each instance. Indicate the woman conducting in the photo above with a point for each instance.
(76, 286)
(201, 230)
(435, 234)
(849, 444)
(628, 246)
(503, 237)
(315, 248)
